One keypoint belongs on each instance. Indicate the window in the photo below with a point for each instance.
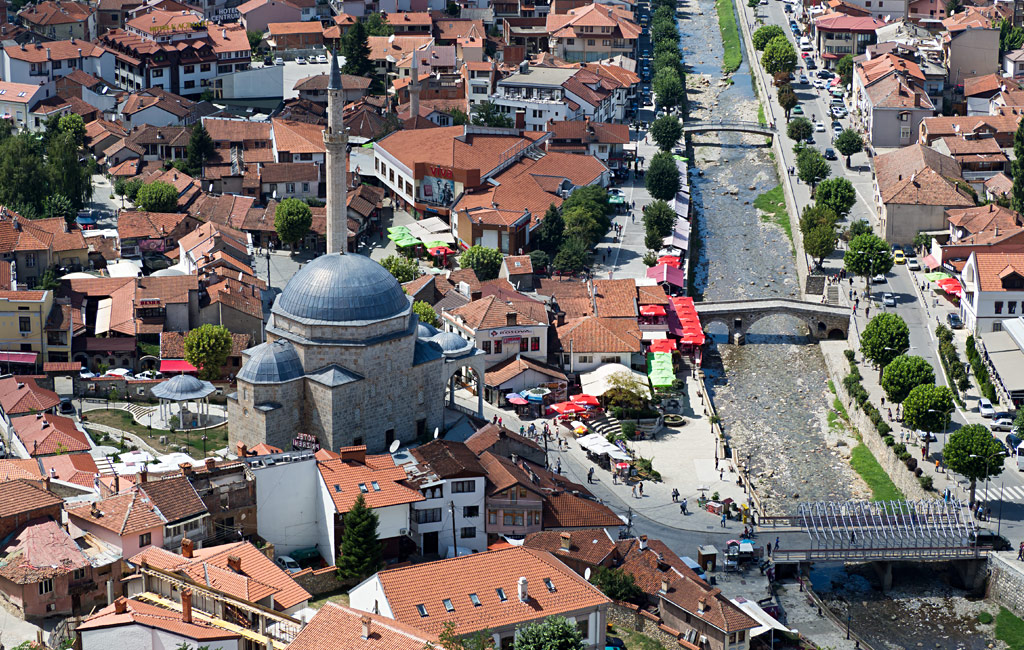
(534, 343)
(46, 586)
(463, 487)
(156, 74)
(486, 347)
(24, 324)
(999, 306)
(291, 188)
(190, 84)
(473, 598)
(591, 42)
(1011, 307)
(189, 69)
(550, 585)
(78, 574)
(30, 261)
(583, 627)
(305, 187)
(497, 347)
(470, 511)
(428, 516)
(467, 532)
(448, 607)
(376, 486)
(492, 516)
(606, 42)
(904, 133)
(145, 539)
(586, 358)
(422, 610)
(524, 344)
(204, 67)
(501, 594)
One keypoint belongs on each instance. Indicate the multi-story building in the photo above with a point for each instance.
(602, 140)
(177, 51)
(837, 35)
(592, 33)
(970, 45)
(502, 328)
(57, 20)
(43, 63)
(535, 96)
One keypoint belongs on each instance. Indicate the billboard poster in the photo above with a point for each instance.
(437, 191)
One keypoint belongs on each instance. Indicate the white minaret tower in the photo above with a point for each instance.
(336, 143)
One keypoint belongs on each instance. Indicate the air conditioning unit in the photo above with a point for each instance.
(403, 531)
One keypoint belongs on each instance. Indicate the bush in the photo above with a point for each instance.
(989, 391)
(943, 333)
(926, 483)
(874, 416)
(899, 448)
(918, 472)
(889, 441)
(883, 429)
(850, 355)
(911, 462)
(629, 430)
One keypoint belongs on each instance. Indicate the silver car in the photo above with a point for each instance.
(1001, 422)
(888, 299)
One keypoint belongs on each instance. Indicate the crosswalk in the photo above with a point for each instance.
(1009, 493)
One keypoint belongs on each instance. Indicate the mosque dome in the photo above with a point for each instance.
(271, 363)
(338, 288)
(452, 344)
(425, 331)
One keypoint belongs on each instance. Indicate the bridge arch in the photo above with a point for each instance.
(738, 316)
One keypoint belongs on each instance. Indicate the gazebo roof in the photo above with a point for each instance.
(183, 387)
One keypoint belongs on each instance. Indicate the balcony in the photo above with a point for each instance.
(498, 502)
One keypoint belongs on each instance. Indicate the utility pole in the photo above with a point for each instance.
(455, 541)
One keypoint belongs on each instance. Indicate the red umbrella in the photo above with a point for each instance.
(585, 400)
(663, 345)
(652, 310)
(567, 407)
(438, 251)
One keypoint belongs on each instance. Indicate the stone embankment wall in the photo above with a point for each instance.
(1006, 581)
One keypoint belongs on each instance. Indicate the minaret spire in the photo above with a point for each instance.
(336, 144)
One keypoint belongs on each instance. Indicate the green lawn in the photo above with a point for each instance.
(636, 640)
(733, 56)
(216, 437)
(882, 487)
(760, 115)
(773, 206)
(340, 597)
(1010, 629)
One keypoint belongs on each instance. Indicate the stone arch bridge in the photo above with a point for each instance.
(823, 321)
(727, 125)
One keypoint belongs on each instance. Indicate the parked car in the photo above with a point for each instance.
(85, 374)
(985, 408)
(954, 322)
(152, 261)
(321, 58)
(267, 60)
(803, 79)
(898, 258)
(288, 564)
(913, 264)
(909, 251)
(66, 407)
(811, 65)
(819, 127)
(797, 110)
(888, 299)
(301, 60)
(830, 154)
(1001, 422)
(149, 374)
(878, 279)
(278, 61)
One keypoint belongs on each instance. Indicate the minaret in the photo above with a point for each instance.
(336, 143)
(414, 87)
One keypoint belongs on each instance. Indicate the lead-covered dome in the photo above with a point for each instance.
(343, 289)
(271, 363)
(452, 344)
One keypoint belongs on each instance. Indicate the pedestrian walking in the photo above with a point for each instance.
(867, 311)
(590, 475)
(494, 420)
(675, 495)
(640, 488)
(777, 545)
(682, 508)
(853, 539)
(500, 424)
(723, 520)
(721, 475)
(522, 429)
(988, 513)
(558, 467)
(634, 491)
(938, 469)
(768, 548)
(1020, 552)
(923, 451)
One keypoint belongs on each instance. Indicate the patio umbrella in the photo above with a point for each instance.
(663, 345)
(567, 407)
(621, 465)
(438, 251)
(535, 394)
(406, 243)
(585, 400)
(516, 399)
(580, 430)
(398, 229)
(671, 260)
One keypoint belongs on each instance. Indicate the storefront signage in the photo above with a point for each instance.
(510, 332)
(305, 441)
(442, 172)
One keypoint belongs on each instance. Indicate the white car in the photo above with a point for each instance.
(278, 61)
(301, 60)
(1001, 422)
(149, 374)
(119, 372)
(321, 58)
(985, 408)
(85, 374)
(878, 279)
(888, 299)
(819, 127)
(803, 79)
(288, 564)
(913, 264)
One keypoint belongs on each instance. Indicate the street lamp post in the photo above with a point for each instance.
(988, 459)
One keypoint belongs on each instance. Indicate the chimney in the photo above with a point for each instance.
(365, 621)
(664, 585)
(186, 547)
(47, 54)
(520, 118)
(242, 450)
(211, 464)
(353, 454)
(117, 483)
(94, 510)
(120, 605)
(511, 318)
(524, 595)
(186, 605)
(702, 605)
(566, 541)
(186, 469)
(643, 542)
(560, 318)
(235, 563)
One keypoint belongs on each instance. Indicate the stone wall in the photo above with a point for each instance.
(319, 581)
(839, 367)
(630, 617)
(1006, 581)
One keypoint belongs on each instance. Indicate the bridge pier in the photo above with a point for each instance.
(884, 572)
(972, 574)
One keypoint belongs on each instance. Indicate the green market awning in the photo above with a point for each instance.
(935, 276)
(659, 369)
(405, 243)
(616, 200)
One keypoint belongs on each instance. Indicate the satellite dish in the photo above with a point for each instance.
(436, 432)
(586, 574)
(394, 446)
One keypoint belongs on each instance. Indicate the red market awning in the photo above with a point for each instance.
(951, 286)
(662, 345)
(585, 400)
(688, 328)
(18, 357)
(671, 260)
(567, 407)
(930, 262)
(666, 273)
(176, 365)
(652, 310)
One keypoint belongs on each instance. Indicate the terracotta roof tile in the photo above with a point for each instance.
(40, 550)
(21, 496)
(992, 267)
(79, 469)
(135, 224)
(127, 513)
(175, 497)
(54, 50)
(986, 217)
(567, 510)
(345, 480)
(488, 435)
(340, 628)
(44, 434)
(20, 394)
(151, 616)
(15, 468)
(589, 546)
(593, 334)
(512, 367)
(449, 459)
(491, 311)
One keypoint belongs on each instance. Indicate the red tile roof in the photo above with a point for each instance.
(151, 616)
(135, 224)
(20, 394)
(40, 550)
(482, 574)
(488, 435)
(49, 13)
(79, 469)
(15, 468)
(21, 496)
(340, 628)
(54, 50)
(127, 513)
(175, 497)
(345, 480)
(491, 311)
(592, 334)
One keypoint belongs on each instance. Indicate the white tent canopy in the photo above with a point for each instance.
(767, 621)
(598, 445)
(596, 382)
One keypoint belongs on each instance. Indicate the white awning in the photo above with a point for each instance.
(596, 382)
(766, 620)
(434, 224)
(103, 315)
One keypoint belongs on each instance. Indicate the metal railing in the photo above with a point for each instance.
(729, 125)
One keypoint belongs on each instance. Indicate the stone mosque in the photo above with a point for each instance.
(346, 361)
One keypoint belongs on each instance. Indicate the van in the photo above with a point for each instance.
(805, 44)
(1020, 458)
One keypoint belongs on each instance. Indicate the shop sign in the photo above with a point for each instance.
(510, 332)
(305, 441)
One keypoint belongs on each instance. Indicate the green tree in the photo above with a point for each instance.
(355, 47)
(200, 148)
(1010, 38)
(68, 176)
(23, 177)
(779, 56)
(666, 131)
(486, 113)
(659, 217)
(539, 260)
(859, 227)
(671, 47)
(592, 197)
(667, 61)
(73, 124)
(449, 639)
(485, 262)
(848, 143)
(361, 550)
(836, 194)
(158, 196)
(903, 374)
(403, 268)
(255, 38)
(571, 257)
(974, 453)
(426, 313)
(662, 177)
(812, 167)
(616, 584)
(377, 26)
(817, 215)
(668, 88)
(551, 229)
(580, 223)
(953, 6)
(662, 30)
(552, 633)
(453, 9)
(844, 68)
(131, 188)
(884, 338)
(292, 220)
(820, 242)
(765, 34)
(799, 129)
(927, 407)
(458, 117)
(1017, 170)
(867, 255)
(787, 98)
(49, 282)
(207, 347)
(58, 205)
